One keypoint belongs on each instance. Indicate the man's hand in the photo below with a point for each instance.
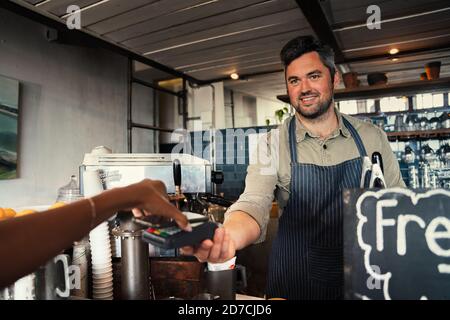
(221, 249)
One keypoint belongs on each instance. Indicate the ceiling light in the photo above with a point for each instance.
(234, 76)
(393, 51)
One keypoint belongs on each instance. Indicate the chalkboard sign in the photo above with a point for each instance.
(397, 244)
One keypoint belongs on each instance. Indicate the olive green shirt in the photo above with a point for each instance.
(270, 174)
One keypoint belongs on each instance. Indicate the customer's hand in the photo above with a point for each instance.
(220, 249)
(151, 199)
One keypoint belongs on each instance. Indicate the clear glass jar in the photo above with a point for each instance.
(70, 192)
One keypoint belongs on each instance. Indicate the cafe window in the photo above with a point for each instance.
(370, 105)
(348, 107)
(429, 100)
(392, 104)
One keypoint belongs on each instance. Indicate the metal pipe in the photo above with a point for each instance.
(155, 87)
(232, 107)
(155, 124)
(184, 102)
(129, 106)
(145, 126)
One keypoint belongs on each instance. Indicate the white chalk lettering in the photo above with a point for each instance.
(444, 268)
(380, 223)
(403, 220)
(431, 235)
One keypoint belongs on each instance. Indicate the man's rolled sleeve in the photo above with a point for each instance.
(258, 195)
(392, 173)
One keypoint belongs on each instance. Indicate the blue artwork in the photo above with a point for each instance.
(9, 116)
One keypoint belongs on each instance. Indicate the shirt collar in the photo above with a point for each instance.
(301, 131)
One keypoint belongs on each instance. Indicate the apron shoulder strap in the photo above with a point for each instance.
(293, 140)
(356, 138)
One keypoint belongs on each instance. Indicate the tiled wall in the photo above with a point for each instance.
(232, 152)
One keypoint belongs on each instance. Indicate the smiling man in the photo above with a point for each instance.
(319, 155)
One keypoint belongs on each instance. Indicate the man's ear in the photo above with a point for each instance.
(337, 78)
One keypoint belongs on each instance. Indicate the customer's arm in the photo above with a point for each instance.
(27, 242)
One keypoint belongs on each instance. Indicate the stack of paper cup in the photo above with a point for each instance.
(102, 274)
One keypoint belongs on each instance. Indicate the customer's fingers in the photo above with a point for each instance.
(137, 212)
(157, 205)
(160, 187)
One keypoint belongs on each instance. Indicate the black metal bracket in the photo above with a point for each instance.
(318, 21)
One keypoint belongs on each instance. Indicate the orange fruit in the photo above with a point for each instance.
(2, 214)
(9, 213)
(25, 212)
(57, 205)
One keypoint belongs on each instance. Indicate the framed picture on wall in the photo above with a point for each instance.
(9, 126)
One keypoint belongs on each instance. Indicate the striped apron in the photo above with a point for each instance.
(306, 261)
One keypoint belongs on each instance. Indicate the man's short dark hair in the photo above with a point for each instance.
(304, 44)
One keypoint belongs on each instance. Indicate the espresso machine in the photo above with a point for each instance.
(188, 180)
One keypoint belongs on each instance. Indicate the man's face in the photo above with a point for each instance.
(309, 85)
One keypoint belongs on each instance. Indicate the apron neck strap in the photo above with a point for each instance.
(348, 125)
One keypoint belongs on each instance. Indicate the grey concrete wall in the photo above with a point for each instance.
(72, 99)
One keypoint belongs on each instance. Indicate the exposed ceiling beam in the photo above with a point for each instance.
(318, 21)
(25, 10)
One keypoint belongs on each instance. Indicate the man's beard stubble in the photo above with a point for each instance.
(322, 108)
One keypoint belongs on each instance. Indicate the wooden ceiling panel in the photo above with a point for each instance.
(33, 2)
(111, 9)
(225, 59)
(234, 40)
(264, 43)
(268, 86)
(238, 67)
(411, 44)
(395, 32)
(231, 62)
(344, 13)
(59, 8)
(194, 20)
(140, 14)
(278, 22)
